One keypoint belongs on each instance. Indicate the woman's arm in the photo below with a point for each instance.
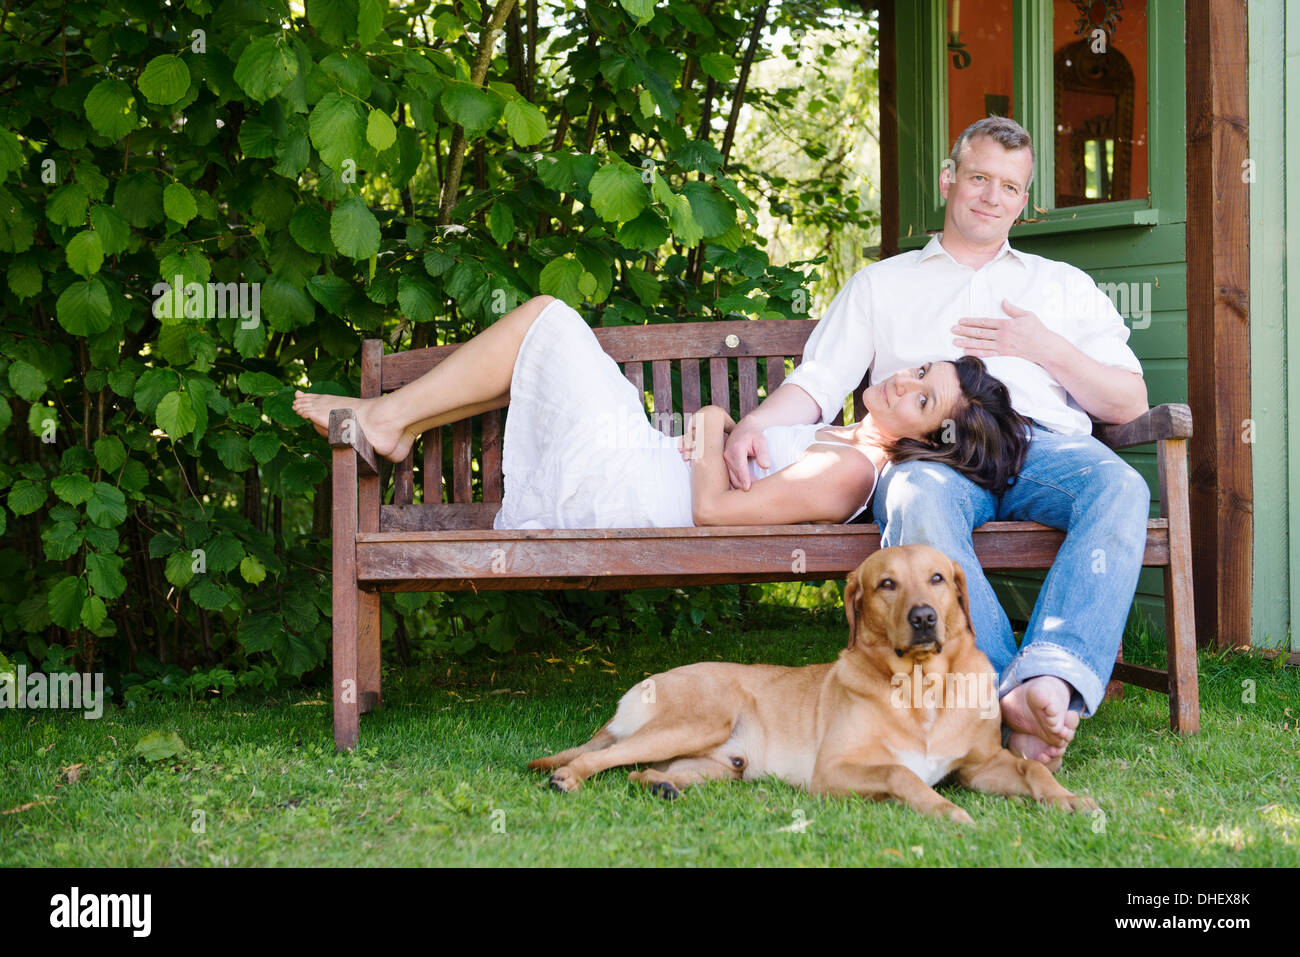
(826, 485)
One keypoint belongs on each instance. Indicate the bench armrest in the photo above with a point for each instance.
(1173, 420)
(346, 433)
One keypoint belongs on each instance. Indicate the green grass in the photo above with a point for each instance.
(440, 778)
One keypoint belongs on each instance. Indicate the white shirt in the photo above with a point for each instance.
(899, 313)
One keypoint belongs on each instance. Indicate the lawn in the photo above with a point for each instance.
(440, 777)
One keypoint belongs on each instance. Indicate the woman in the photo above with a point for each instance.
(579, 451)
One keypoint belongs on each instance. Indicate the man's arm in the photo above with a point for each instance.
(837, 353)
(1107, 393)
(788, 405)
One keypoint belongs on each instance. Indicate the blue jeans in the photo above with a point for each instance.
(1073, 483)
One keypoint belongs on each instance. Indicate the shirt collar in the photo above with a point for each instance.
(935, 248)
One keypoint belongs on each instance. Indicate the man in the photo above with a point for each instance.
(1059, 345)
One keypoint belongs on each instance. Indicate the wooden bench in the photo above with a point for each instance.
(448, 543)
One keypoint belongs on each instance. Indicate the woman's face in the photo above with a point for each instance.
(914, 402)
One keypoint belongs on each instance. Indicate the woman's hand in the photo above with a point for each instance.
(690, 442)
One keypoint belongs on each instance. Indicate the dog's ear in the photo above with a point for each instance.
(963, 596)
(852, 592)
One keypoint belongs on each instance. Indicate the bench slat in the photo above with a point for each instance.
(747, 379)
(460, 461)
(690, 386)
(404, 480)
(431, 476)
(490, 459)
(663, 387)
(635, 375)
(775, 366)
(719, 387)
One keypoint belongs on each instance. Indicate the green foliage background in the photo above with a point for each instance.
(377, 172)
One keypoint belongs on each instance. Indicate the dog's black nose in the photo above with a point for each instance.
(922, 618)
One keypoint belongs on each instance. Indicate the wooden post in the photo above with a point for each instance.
(347, 716)
(1218, 313)
(1184, 700)
(368, 495)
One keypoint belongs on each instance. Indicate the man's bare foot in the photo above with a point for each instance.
(386, 437)
(1039, 707)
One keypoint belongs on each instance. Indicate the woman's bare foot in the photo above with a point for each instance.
(1025, 745)
(1042, 724)
(386, 437)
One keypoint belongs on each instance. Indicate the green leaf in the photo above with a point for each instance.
(224, 552)
(284, 305)
(501, 223)
(107, 505)
(264, 446)
(165, 79)
(644, 285)
(617, 192)
(266, 67)
(85, 253)
(112, 229)
(436, 263)
(26, 380)
(370, 19)
(110, 453)
(25, 279)
(334, 20)
(208, 594)
(73, 489)
(151, 387)
(159, 747)
(65, 601)
(354, 229)
(252, 570)
(380, 131)
(642, 10)
(337, 126)
(17, 229)
(646, 232)
(476, 110)
(83, 308)
(417, 298)
(93, 612)
(711, 209)
(232, 449)
(258, 383)
(524, 122)
(560, 278)
(11, 154)
(179, 568)
(332, 292)
(310, 228)
(683, 224)
(61, 540)
(719, 66)
(67, 205)
(175, 415)
(179, 203)
(110, 108)
(105, 574)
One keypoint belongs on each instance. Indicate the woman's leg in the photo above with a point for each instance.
(473, 379)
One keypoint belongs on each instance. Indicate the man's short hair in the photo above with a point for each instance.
(1006, 131)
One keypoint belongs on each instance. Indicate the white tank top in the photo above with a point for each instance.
(786, 445)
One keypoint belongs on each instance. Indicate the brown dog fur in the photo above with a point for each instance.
(847, 727)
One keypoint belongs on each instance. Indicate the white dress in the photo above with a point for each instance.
(579, 450)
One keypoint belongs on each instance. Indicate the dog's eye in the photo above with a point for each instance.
(887, 584)
(936, 579)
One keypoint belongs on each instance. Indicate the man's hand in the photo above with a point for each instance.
(746, 441)
(688, 443)
(1023, 336)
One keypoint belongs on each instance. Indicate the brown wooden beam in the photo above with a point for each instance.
(1218, 313)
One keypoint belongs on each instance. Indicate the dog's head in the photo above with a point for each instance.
(910, 600)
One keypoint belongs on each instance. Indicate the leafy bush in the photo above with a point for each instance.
(206, 205)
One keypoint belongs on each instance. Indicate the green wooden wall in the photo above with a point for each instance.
(1137, 241)
(1274, 43)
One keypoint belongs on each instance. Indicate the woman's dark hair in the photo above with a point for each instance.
(985, 439)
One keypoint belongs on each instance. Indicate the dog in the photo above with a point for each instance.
(887, 720)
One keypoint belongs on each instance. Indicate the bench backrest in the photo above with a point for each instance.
(743, 346)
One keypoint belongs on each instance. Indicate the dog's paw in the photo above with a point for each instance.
(957, 815)
(565, 780)
(666, 790)
(1077, 804)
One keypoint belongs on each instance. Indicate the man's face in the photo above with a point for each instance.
(986, 193)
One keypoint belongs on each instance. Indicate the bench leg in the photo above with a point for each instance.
(368, 651)
(1180, 623)
(1115, 687)
(345, 601)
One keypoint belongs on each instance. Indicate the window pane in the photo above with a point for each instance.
(979, 62)
(1100, 73)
